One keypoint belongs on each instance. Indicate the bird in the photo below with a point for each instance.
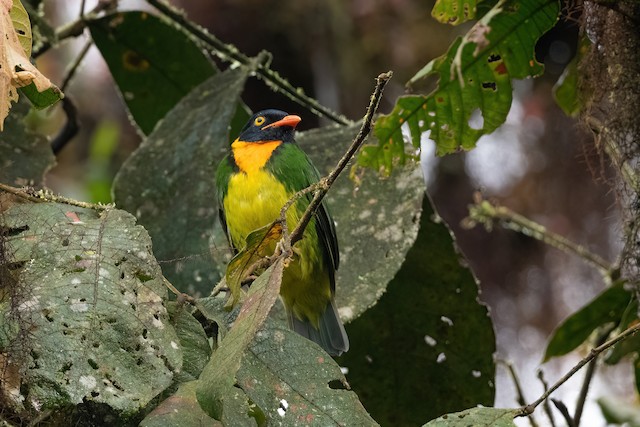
(264, 168)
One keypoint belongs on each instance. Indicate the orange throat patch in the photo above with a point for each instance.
(252, 156)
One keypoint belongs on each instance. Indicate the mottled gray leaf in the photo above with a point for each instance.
(294, 383)
(426, 348)
(25, 156)
(90, 294)
(168, 183)
(477, 417)
(377, 222)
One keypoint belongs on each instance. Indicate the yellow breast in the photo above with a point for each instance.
(253, 200)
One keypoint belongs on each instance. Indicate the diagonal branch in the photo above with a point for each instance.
(327, 182)
(528, 410)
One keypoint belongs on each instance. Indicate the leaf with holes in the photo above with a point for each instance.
(454, 12)
(294, 383)
(474, 91)
(88, 295)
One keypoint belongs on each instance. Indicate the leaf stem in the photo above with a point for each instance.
(230, 53)
(326, 183)
(527, 410)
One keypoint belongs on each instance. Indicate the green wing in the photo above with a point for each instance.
(291, 166)
(223, 174)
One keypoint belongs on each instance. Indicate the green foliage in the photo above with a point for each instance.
(154, 63)
(474, 78)
(477, 417)
(408, 359)
(606, 307)
(103, 145)
(565, 91)
(90, 295)
(454, 12)
(43, 99)
(25, 156)
(180, 409)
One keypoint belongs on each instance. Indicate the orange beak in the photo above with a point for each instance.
(290, 120)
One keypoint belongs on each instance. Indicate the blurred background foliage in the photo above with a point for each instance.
(540, 163)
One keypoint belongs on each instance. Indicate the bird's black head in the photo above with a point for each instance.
(269, 125)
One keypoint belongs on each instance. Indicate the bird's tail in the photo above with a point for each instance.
(330, 334)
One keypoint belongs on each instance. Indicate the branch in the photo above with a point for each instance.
(43, 196)
(76, 28)
(546, 407)
(527, 410)
(519, 393)
(485, 213)
(326, 182)
(588, 376)
(230, 53)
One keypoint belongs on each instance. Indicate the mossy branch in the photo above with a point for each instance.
(44, 196)
(486, 213)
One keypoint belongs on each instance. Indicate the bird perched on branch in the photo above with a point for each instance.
(264, 169)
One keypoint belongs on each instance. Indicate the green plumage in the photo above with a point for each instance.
(264, 169)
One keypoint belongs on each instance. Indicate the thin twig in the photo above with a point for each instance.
(76, 63)
(70, 128)
(484, 212)
(76, 28)
(327, 182)
(230, 53)
(564, 411)
(545, 405)
(588, 376)
(516, 382)
(182, 297)
(527, 410)
(42, 196)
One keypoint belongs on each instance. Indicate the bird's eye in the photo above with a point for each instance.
(259, 121)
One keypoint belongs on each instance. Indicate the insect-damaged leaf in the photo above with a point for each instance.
(89, 294)
(474, 90)
(477, 417)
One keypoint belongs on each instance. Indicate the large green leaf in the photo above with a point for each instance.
(25, 156)
(154, 63)
(606, 307)
(474, 79)
(89, 296)
(477, 417)
(426, 348)
(377, 221)
(169, 182)
(216, 384)
(295, 383)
